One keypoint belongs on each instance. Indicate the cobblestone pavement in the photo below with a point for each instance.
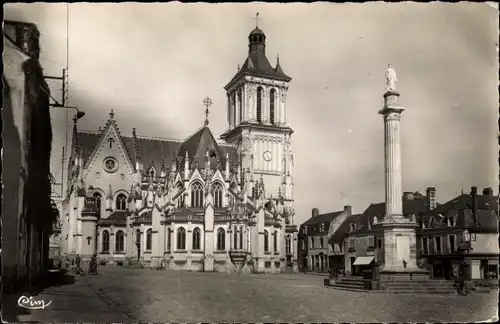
(160, 296)
(71, 302)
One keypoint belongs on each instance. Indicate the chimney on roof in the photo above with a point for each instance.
(473, 194)
(408, 195)
(488, 192)
(430, 194)
(348, 210)
(315, 212)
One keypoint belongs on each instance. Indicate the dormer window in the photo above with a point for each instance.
(213, 154)
(305, 230)
(321, 227)
(152, 173)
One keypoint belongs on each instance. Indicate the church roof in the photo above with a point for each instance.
(118, 217)
(155, 152)
(257, 64)
(257, 31)
(197, 145)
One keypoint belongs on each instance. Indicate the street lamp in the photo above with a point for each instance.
(79, 113)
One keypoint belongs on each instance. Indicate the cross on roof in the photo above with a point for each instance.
(111, 114)
(207, 102)
(111, 140)
(257, 20)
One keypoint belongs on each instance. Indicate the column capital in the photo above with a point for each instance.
(391, 110)
(391, 105)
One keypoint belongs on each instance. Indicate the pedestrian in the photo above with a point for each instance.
(78, 261)
(404, 263)
(93, 265)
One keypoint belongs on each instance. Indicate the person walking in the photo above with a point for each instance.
(78, 261)
(93, 265)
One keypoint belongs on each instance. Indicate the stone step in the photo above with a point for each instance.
(337, 287)
(413, 291)
(422, 291)
(421, 288)
(408, 284)
(347, 284)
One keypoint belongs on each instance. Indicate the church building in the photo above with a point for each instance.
(193, 204)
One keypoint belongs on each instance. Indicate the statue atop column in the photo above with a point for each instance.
(390, 75)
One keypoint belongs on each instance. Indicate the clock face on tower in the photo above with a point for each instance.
(267, 156)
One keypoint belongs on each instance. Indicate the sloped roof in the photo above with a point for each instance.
(153, 152)
(257, 64)
(487, 211)
(322, 218)
(464, 201)
(197, 146)
(339, 235)
(117, 217)
(410, 206)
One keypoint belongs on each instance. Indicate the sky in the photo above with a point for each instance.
(153, 64)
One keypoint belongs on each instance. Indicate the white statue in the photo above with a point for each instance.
(390, 75)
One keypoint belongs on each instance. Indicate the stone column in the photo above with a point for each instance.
(392, 151)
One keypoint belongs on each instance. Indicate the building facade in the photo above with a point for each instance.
(195, 204)
(315, 253)
(365, 244)
(472, 217)
(26, 214)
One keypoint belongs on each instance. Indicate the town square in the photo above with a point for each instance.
(178, 162)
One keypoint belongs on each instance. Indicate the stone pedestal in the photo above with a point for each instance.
(399, 253)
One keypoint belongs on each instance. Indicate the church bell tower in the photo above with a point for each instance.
(257, 123)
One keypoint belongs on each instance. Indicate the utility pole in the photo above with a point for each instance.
(56, 103)
(63, 78)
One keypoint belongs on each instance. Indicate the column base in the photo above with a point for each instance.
(395, 219)
(397, 274)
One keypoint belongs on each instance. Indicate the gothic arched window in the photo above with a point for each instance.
(275, 241)
(121, 202)
(196, 239)
(180, 199)
(181, 238)
(272, 100)
(235, 237)
(119, 241)
(197, 195)
(105, 242)
(98, 199)
(288, 244)
(221, 239)
(240, 105)
(266, 241)
(241, 237)
(149, 238)
(217, 194)
(169, 239)
(259, 104)
(138, 237)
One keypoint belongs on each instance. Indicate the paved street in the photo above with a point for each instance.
(132, 295)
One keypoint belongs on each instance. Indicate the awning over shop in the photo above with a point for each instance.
(364, 260)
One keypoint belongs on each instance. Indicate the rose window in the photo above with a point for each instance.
(110, 165)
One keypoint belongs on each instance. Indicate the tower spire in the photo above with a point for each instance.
(207, 102)
(257, 20)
